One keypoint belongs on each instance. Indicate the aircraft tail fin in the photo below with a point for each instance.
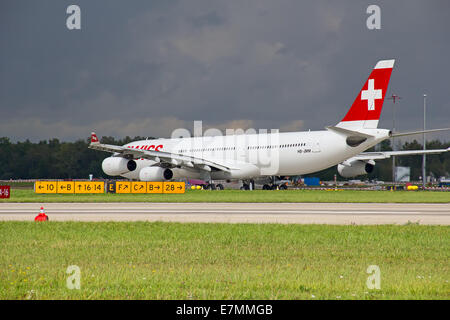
(366, 109)
(94, 139)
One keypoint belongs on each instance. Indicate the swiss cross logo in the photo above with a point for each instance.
(371, 95)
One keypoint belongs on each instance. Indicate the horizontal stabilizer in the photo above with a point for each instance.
(401, 134)
(349, 132)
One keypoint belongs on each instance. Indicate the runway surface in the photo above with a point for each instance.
(299, 213)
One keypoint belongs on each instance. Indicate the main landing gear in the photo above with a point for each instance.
(250, 185)
(212, 186)
(274, 187)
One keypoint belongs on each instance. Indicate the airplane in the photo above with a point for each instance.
(248, 157)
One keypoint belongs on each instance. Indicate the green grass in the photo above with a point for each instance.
(142, 260)
(18, 195)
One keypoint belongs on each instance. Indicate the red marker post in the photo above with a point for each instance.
(41, 216)
(5, 192)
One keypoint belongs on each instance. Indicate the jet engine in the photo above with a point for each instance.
(355, 168)
(115, 166)
(155, 174)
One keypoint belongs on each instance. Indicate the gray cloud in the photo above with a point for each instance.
(147, 67)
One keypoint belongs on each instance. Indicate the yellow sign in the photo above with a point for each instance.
(154, 187)
(138, 187)
(174, 187)
(45, 186)
(111, 187)
(123, 186)
(66, 187)
(89, 187)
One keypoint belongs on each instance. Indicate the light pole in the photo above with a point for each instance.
(393, 144)
(393, 98)
(424, 176)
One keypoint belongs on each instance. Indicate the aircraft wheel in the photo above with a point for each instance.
(220, 186)
(266, 187)
(245, 187)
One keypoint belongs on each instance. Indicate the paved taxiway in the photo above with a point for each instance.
(300, 213)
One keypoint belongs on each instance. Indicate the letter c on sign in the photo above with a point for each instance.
(158, 147)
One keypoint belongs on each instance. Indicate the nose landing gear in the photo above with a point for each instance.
(248, 185)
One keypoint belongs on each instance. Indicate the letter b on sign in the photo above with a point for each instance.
(73, 21)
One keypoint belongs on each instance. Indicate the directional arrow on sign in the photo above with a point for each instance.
(180, 187)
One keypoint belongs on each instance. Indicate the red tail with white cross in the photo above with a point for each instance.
(366, 109)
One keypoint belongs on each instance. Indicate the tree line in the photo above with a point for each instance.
(54, 159)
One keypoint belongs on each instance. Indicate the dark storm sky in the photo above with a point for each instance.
(148, 67)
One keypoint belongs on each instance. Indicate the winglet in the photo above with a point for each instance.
(94, 139)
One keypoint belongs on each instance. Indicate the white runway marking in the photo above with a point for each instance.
(87, 211)
(301, 213)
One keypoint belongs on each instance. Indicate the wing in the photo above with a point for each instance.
(158, 156)
(387, 154)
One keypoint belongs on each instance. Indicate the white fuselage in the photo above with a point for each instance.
(255, 155)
